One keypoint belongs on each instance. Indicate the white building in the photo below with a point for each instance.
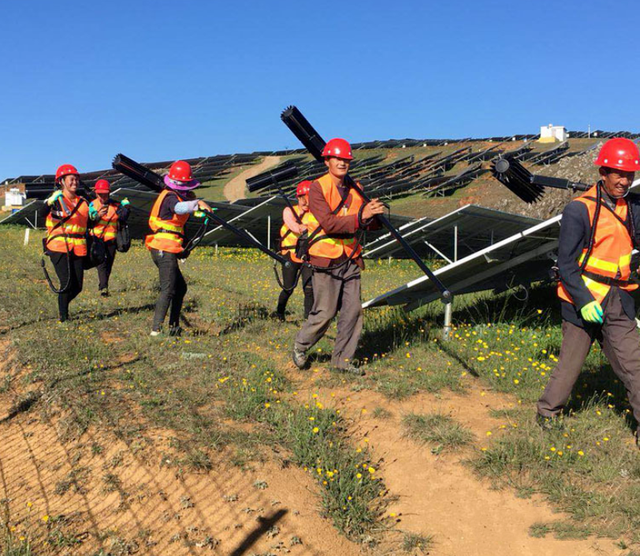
(552, 133)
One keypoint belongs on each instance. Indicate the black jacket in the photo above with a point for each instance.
(574, 236)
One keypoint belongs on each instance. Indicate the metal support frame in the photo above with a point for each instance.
(437, 251)
(448, 312)
(455, 244)
(269, 231)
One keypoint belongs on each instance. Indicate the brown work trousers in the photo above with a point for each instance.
(621, 345)
(335, 291)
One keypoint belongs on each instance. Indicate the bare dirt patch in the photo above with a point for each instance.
(235, 188)
(103, 493)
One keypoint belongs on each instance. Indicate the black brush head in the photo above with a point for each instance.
(516, 178)
(272, 177)
(304, 131)
(137, 172)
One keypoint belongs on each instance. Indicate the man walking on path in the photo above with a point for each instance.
(336, 213)
(597, 236)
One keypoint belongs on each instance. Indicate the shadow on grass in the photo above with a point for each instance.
(513, 307)
(600, 382)
(247, 313)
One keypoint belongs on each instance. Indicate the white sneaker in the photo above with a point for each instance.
(155, 333)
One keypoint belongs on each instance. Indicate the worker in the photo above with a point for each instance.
(294, 225)
(336, 213)
(67, 217)
(597, 236)
(168, 217)
(108, 214)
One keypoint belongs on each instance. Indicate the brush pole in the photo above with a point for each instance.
(244, 235)
(558, 183)
(446, 294)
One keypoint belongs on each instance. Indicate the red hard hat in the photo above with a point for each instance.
(65, 170)
(180, 171)
(102, 186)
(339, 148)
(620, 154)
(303, 188)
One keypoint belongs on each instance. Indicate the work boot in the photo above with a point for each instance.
(350, 369)
(175, 330)
(299, 357)
(104, 292)
(547, 423)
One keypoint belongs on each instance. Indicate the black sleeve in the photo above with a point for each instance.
(168, 207)
(44, 210)
(634, 204)
(574, 235)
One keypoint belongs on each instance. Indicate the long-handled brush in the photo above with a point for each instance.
(311, 139)
(155, 182)
(272, 178)
(529, 187)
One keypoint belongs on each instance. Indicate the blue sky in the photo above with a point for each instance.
(82, 81)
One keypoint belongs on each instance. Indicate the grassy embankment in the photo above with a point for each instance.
(231, 368)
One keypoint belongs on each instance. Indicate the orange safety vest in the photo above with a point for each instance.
(611, 254)
(71, 234)
(166, 235)
(289, 239)
(332, 246)
(107, 227)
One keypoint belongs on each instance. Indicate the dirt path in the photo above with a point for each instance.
(111, 495)
(235, 187)
(438, 494)
(103, 493)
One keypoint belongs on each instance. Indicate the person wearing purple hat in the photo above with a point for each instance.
(168, 217)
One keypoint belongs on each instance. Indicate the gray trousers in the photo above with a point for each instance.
(621, 345)
(335, 291)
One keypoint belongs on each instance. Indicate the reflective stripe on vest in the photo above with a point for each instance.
(612, 247)
(167, 235)
(289, 239)
(71, 234)
(107, 227)
(334, 246)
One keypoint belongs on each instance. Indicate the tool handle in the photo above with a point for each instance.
(558, 183)
(446, 294)
(244, 235)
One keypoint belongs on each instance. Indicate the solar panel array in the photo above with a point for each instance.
(203, 168)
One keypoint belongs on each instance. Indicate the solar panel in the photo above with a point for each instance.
(520, 259)
(454, 235)
(26, 216)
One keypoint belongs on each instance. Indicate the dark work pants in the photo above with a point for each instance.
(335, 291)
(289, 275)
(104, 269)
(172, 288)
(620, 344)
(73, 281)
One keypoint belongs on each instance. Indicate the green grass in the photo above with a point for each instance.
(223, 386)
(588, 467)
(441, 431)
(417, 544)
